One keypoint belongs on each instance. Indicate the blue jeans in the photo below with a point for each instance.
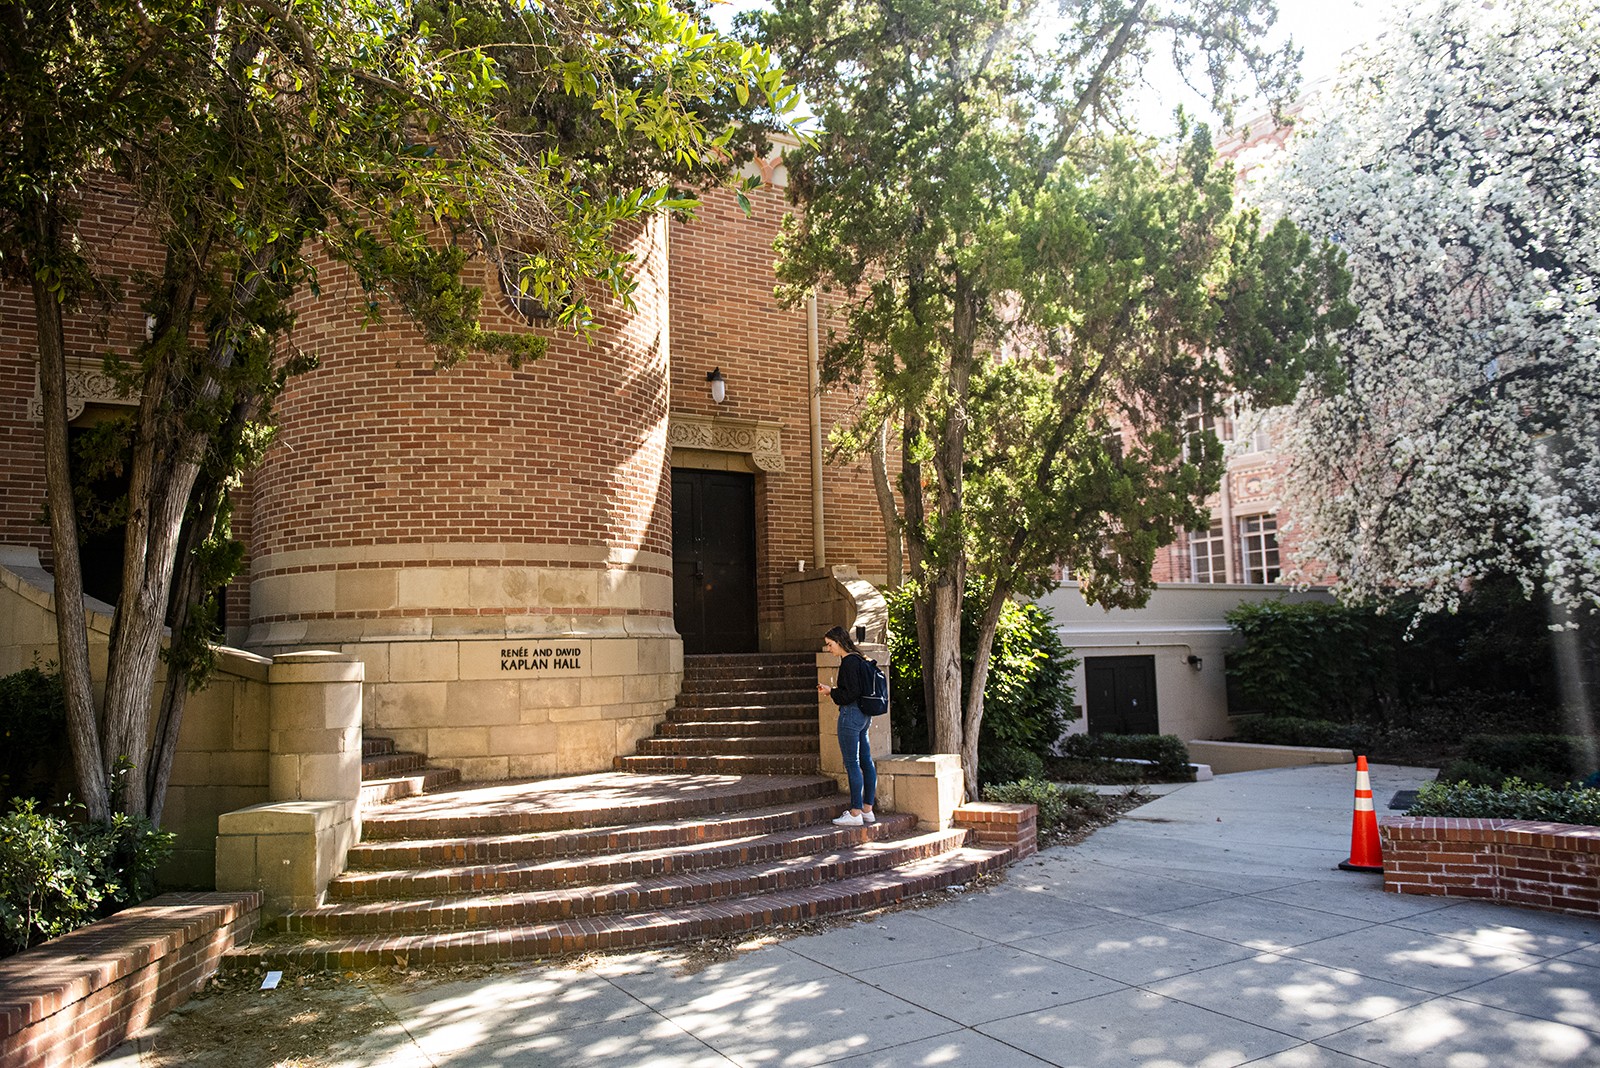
(857, 753)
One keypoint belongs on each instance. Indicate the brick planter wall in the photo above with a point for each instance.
(1553, 866)
(994, 823)
(75, 998)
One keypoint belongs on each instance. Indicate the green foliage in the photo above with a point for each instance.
(1298, 730)
(1103, 772)
(1552, 759)
(1028, 696)
(1061, 808)
(1166, 752)
(1312, 659)
(33, 732)
(1511, 800)
(57, 875)
(265, 144)
(1008, 764)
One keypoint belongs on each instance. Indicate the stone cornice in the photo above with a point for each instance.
(761, 441)
(87, 383)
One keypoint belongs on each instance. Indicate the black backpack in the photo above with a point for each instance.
(875, 702)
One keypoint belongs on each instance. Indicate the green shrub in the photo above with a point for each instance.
(1512, 800)
(33, 732)
(1103, 772)
(1312, 659)
(57, 874)
(1027, 700)
(1051, 798)
(1472, 773)
(1166, 752)
(1296, 730)
(1554, 754)
(1008, 764)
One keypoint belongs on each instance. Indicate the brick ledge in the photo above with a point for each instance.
(1535, 864)
(73, 999)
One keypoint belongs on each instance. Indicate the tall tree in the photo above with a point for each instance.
(1457, 163)
(1033, 298)
(255, 138)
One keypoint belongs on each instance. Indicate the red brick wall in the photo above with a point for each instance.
(75, 998)
(1551, 866)
(108, 225)
(724, 315)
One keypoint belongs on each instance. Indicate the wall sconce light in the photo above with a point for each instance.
(1194, 661)
(719, 385)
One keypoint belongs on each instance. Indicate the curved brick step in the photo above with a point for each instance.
(389, 765)
(720, 765)
(588, 871)
(738, 728)
(791, 698)
(544, 845)
(604, 799)
(742, 713)
(730, 745)
(624, 931)
(657, 892)
(400, 787)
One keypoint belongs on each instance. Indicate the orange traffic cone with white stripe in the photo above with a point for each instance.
(1365, 853)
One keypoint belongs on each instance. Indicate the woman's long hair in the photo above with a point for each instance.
(840, 635)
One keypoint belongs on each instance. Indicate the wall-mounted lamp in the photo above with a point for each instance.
(719, 385)
(1194, 661)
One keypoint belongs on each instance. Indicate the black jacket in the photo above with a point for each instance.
(855, 680)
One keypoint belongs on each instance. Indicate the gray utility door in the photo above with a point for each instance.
(714, 560)
(1122, 694)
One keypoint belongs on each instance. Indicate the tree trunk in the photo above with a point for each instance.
(911, 491)
(886, 506)
(72, 633)
(981, 658)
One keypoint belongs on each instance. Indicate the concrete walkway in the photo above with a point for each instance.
(1207, 928)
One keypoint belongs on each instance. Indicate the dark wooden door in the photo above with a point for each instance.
(714, 560)
(1122, 694)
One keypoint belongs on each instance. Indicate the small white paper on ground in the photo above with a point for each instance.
(271, 981)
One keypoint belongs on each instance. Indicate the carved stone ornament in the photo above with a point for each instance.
(762, 442)
(87, 383)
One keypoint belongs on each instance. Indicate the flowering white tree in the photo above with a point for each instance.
(1457, 162)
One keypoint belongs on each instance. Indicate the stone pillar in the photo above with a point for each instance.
(930, 787)
(314, 743)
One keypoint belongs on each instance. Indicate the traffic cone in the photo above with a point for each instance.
(1365, 853)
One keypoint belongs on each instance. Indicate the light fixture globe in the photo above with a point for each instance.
(719, 385)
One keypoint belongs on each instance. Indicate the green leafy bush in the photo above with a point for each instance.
(57, 874)
(1103, 772)
(1028, 695)
(33, 732)
(1297, 730)
(1008, 763)
(1060, 807)
(1512, 800)
(1166, 752)
(1312, 659)
(1527, 754)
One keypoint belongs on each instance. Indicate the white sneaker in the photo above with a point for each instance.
(869, 817)
(847, 820)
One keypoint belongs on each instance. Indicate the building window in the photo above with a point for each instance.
(1208, 554)
(1199, 417)
(1258, 542)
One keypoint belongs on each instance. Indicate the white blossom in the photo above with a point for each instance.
(1457, 162)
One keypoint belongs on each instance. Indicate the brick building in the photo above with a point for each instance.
(520, 558)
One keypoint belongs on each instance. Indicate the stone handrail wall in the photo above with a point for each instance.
(824, 597)
(1551, 866)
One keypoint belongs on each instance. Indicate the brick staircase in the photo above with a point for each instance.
(738, 714)
(729, 830)
(387, 775)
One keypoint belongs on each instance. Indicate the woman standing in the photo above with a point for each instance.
(854, 680)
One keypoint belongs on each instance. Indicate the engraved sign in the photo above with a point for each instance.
(543, 659)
